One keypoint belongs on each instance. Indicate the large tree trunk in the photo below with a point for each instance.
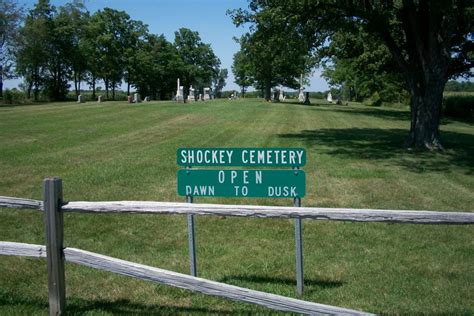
(28, 91)
(93, 87)
(128, 85)
(76, 89)
(36, 84)
(426, 108)
(268, 91)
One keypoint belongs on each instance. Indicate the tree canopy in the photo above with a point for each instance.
(271, 54)
(201, 65)
(57, 46)
(10, 18)
(429, 42)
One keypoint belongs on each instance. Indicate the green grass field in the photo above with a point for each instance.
(118, 151)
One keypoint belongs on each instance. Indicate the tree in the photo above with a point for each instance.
(241, 67)
(33, 46)
(49, 54)
(219, 82)
(60, 48)
(272, 56)
(74, 17)
(11, 16)
(133, 40)
(159, 65)
(201, 65)
(362, 66)
(430, 41)
(108, 37)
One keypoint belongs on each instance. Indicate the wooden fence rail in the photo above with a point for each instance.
(54, 207)
(315, 213)
(179, 280)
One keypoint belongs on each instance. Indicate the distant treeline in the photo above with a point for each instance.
(59, 49)
(465, 86)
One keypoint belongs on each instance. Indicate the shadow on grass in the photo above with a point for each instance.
(389, 113)
(387, 145)
(75, 306)
(232, 279)
(382, 113)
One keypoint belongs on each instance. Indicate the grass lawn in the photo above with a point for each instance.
(119, 151)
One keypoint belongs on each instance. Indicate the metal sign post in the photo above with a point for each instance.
(299, 247)
(243, 183)
(191, 239)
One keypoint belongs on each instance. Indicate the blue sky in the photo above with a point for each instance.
(208, 17)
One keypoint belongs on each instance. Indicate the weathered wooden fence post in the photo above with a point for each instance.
(53, 199)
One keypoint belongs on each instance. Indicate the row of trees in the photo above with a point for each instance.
(368, 46)
(59, 46)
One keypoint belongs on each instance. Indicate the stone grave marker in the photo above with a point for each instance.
(206, 94)
(191, 97)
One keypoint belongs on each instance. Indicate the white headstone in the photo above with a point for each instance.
(179, 93)
(329, 97)
(99, 99)
(301, 97)
(206, 94)
(191, 97)
(80, 99)
(136, 98)
(147, 99)
(281, 97)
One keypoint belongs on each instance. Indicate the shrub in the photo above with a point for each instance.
(374, 100)
(13, 96)
(459, 106)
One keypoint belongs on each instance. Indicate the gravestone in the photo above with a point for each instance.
(80, 99)
(179, 93)
(275, 97)
(301, 97)
(281, 97)
(200, 97)
(329, 98)
(99, 99)
(206, 94)
(129, 99)
(136, 98)
(147, 99)
(191, 97)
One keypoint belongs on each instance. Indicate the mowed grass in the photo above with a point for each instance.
(119, 151)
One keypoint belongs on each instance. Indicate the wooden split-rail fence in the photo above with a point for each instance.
(54, 207)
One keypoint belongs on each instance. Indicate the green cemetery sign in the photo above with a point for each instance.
(242, 183)
(237, 157)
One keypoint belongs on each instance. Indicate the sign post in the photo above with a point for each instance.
(192, 240)
(299, 248)
(191, 237)
(274, 183)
